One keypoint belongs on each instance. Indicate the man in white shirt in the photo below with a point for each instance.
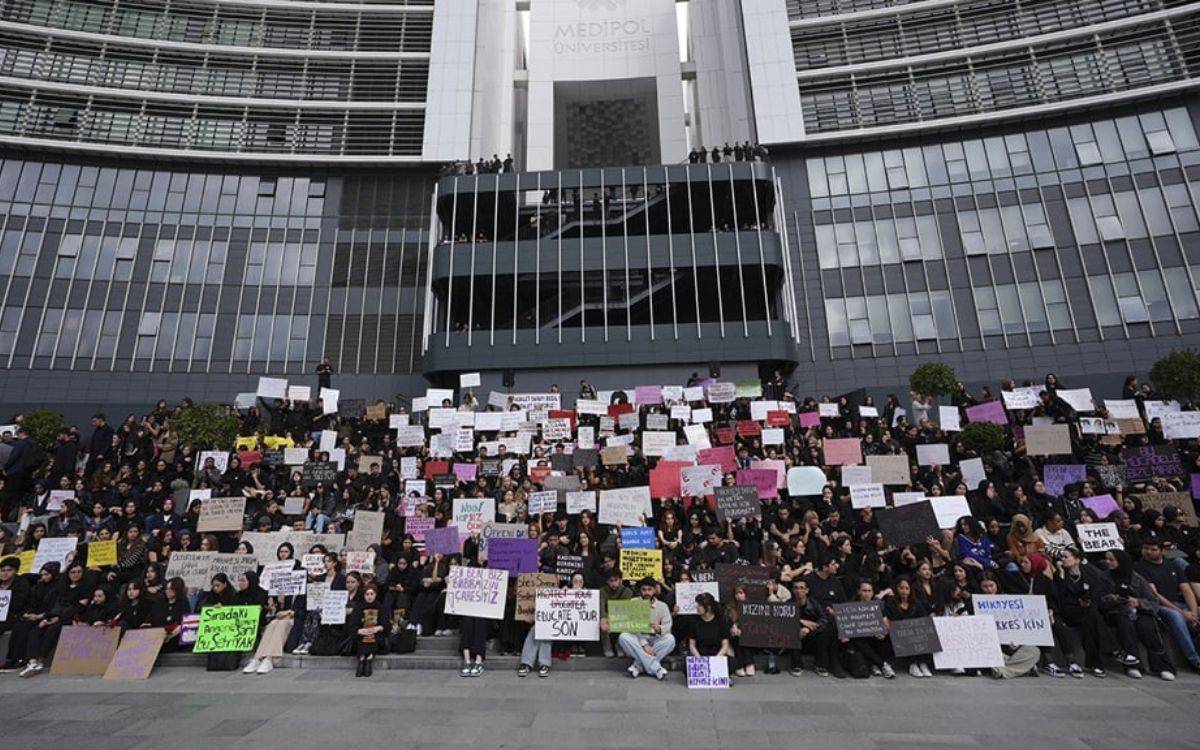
(648, 649)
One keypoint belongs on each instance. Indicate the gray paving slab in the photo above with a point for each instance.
(577, 710)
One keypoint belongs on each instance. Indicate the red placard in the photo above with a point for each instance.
(563, 414)
(749, 428)
(778, 418)
(664, 479)
(724, 435)
(723, 456)
(616, 410)
(433, 468)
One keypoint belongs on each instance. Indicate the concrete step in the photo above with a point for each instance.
(408, 661)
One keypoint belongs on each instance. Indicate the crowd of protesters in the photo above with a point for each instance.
(1134, 608)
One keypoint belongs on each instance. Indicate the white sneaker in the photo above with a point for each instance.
(608, 652)
(740, 672)
(749, 670)
(266, 666)
(887, 671)
(1168, 676)
(914, 669)
(661, 674)
(30, 670)
(251, 666)
(925, 670)
(301, 650)
(1133, 674)
(634, 671)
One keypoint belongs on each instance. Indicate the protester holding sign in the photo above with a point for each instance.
(710, 633)
(647, 649)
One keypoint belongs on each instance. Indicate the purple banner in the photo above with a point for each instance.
(466, 472)
(766, 480)
(517, 556)
(418, 526)
(1196, 486)
(992, 411)
(1101, 505)
(443, 541)
(1058, 476)
(648, 395)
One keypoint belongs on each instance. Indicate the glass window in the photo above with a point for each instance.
(1179, 201)
(988, 311)
(885, 235)
(1082, 221)
(1010, 308)
(972, 233)
(817, 187)
(1107, 221)
(1183, 134)
(48, 332)
(69, 334)
(1155, 295)
(943, 313)
(1130, 214)
(256, 260)
(1018, 153)
(827, 250)
(160, 265)
(930, 239)
(864, 238)
(847, 251)
(9, 322)
(1157, 218)
(1183, 298)
(1056, 304)
(901, 317)
(835, 322)
(1014, 227)
(1031, 302)
(856, 315)
(1086, 148)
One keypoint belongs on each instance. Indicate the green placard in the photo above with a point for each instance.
(749, 388)
(629, 616)
(224, 629)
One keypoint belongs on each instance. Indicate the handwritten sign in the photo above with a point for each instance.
(470, 514)
(769, 624)
(889, 469)
(1049, 440)
(227, 629)
(221, 514)
(843, 451)
(567, 615)
(528, 584)
(707, 673)
(102, 553)
(1020, 619)
(1058, 476)
(84, 651)
(641, 563)
(333, 607)
(54, 549)
(135, 657)
(1149, 461)
(968, 642)
(629, 506)
(476, 592)
(628, 616)
(516, 556)
(859, 619)
(914, 637)
(687, 591)
(1098, 537)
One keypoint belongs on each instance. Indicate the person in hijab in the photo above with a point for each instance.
(1132, 609)
(1022, 540)
(101, 610)
(220, 594)
(64, 599)
(139, 609)
(369, 624)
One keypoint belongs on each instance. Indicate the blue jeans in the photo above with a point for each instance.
(631, 644)
(1180, 632)
(535, 652)
(316, 522)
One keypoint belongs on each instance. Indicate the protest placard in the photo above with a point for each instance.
(628, 616)
(54, 550)
(949, 418)
(1020, 619)
(968, 642)
(102, 553)
(907, 525)
(629, 506)
(582, 500)
(192, 567)
(1147, 461)
(368, 530)
(516, 556)
(889, 469)
(5, 603)
(319, 472)
(699, 481)
(566, 566)
(707, 672)
(496, 530)
(752, 577)
(641, 563)
(443, 541)
(476, 592)
(1049, 440)
(737, 502)
(614, 455)
(950, 508)
(914, 637)
(687, 591)
(764, 480)
(567, 615)
(843, 451)
(852, 475)
(769, 624)
(333, 607)
(58, 499)
(867, 496)
(1057, 476)
(859, 619)
(935, 454)
(528, 584)
(542, 502)
(221, 514)
(637, 537)
(806, 480)
(227, 629)
(272, 388)
(471, 513)
(135, 656)
(84, 651)
(721, 393)
(1102, 505)
(287, 582)
(1098, 537)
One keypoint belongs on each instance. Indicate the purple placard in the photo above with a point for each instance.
(418, 526)
(1101, 505)
(648, 395)
(1058, 476)
(443, 541)
(1196, 486)
(766, 480)
(809, 419)
(466, 472)
(992, 411)
(517, 556)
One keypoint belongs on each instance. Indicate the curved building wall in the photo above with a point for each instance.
(248, 79)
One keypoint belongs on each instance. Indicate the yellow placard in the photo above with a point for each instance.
(276, 443)
(103, 553)
(26, 558)
(640, 563)
(246, 443)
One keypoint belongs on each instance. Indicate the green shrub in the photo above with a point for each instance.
(933, 379)
(982, 437)
(206, 427)
(1177, 376)
(43, 426)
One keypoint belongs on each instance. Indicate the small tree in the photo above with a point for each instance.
(206, 426)
(1177, 376)
(933, 379)
(982, 437)
(43, 426)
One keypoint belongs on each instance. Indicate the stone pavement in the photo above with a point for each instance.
(181, 707)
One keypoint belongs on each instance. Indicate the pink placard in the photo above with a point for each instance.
(809, 419)
(992, 411)
(776, 465)
(764, 479)
(648, 394)
(723, 456)
(842, 451)
(417, 526)
(466, 472)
